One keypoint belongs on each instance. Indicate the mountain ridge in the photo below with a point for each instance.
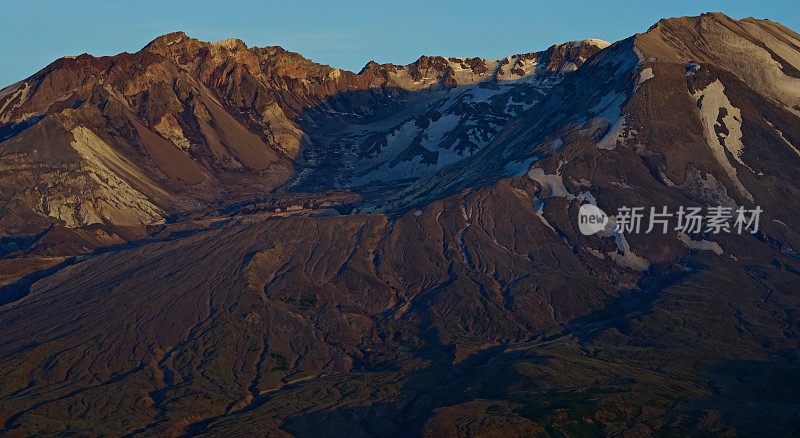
(177, 86)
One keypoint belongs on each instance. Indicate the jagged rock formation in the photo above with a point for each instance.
(188, 122)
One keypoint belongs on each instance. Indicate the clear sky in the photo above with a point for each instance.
(344, 33)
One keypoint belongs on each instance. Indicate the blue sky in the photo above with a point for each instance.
(344, 33)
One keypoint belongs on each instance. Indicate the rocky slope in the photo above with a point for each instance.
(131, 139)
(205, 238)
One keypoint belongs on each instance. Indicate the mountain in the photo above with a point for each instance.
(134, 138)
(205, 238)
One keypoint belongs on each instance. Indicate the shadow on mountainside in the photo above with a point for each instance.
(356, 151)
(404, 149)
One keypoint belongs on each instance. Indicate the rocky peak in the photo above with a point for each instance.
(758, 52)
(232, 44)
(571, 55)
(168, 39)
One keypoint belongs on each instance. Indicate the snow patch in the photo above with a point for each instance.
(616, 135)
(702, 245)
(713, 99)
(552, 185)
(628, 259)
(478, 94)
(645, 75)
